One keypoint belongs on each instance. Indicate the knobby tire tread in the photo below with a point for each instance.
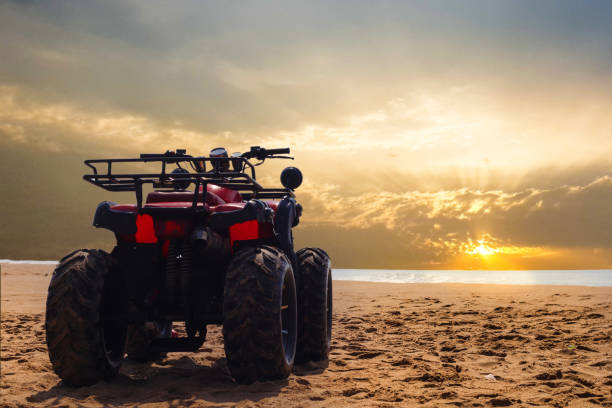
(251, 327)
(73, 318)
(313, 266)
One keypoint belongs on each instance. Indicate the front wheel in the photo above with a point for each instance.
(260, 315)
(84, 345)
(315, 297)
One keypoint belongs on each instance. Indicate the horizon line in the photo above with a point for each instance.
(52, 262)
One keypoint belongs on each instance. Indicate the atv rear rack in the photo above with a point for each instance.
(236, 180)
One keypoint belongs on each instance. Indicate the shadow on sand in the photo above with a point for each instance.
(178, 382)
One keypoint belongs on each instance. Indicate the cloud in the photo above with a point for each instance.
(68, 127)
(283, 67)
(449, 222)
(420, 86)
(423, 126)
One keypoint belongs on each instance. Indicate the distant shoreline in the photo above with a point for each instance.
(50, 262)
(564, 277)
(26, 262)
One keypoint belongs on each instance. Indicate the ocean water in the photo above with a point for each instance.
(597, 277)
(572, 277)
(11, 261)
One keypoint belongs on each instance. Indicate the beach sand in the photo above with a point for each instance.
(400, 345)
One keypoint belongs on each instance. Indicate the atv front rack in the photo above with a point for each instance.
(239, 181)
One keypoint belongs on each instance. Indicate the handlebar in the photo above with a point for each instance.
(261, 154)
(286, 150)
(169, 153)
(257, 152)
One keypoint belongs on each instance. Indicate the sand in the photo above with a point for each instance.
(398, 345)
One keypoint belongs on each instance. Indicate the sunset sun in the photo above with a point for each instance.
(481, 248)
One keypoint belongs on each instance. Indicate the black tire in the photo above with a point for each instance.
(139, 338)
(260, 315)
(83, 347)
(315, 305)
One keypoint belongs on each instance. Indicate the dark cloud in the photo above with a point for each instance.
(275, 65)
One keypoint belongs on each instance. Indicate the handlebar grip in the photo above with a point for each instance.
(169, 153)
(286, 150)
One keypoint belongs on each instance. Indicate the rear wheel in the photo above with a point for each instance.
(84, 346)
(260, 315)
(315, 299)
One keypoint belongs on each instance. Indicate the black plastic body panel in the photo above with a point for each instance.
(286, 217)
(119, 222)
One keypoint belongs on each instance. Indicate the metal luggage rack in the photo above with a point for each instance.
(237, 180)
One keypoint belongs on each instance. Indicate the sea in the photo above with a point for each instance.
(589, 277)
(570, 277)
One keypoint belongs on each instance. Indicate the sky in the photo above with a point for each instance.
(431, 134)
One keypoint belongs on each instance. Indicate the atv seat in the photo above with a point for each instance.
(216, 196)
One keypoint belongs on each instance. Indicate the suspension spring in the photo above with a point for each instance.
(186, 272)
(172, 272)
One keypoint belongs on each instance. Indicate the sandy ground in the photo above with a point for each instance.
(393, 345)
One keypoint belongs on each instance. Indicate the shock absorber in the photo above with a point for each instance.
(186, 272)
(185, 268)
(172, 272)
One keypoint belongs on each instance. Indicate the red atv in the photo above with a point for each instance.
(221, 253)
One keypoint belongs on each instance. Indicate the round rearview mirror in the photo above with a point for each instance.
(291, 178)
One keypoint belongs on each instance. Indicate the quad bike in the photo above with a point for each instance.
(221, 253)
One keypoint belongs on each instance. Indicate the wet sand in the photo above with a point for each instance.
(464, 345)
